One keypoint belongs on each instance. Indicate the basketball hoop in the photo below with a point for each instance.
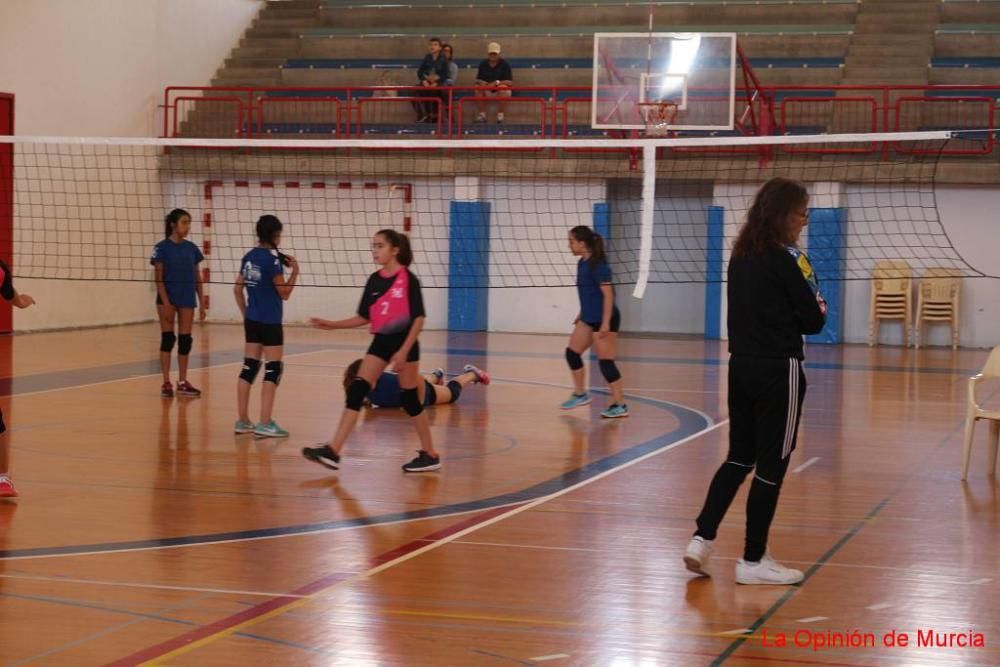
(658, 116)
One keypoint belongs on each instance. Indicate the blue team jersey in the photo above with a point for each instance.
(588, 286)
(387, 393)
(180, 261)
(258, 268)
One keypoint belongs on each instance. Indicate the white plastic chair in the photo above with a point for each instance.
(975, 412)
(938, 299)
(891, 299)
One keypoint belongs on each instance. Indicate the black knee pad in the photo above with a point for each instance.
(609, 370)
(184, 344)
(411, 402)
(356, 393)
(167, 340)
(273, 371)
(574, 360)
(250, 369)
(455, 389)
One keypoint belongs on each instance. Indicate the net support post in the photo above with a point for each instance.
(646, 218)
(7, 203)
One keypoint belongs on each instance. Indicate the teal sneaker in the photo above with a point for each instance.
(575, 401)
(615, 411)
(271, 430)
(242, 427)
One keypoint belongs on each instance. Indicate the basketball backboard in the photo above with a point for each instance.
(694, 71)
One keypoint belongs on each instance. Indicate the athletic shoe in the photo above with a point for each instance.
(242, 427)
(187, 389)
(167, 390)
(270, 430)
(438, 374)
(482, 377)
(698, 553)
(615, 411)
(423, 463)
(7, 489)
(322, 455)
(767, 571)
(575, 401)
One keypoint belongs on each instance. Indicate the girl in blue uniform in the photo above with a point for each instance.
(262, 275)
(387, 392)
(597, 323)
(178, 283)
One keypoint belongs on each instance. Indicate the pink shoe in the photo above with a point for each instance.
(167, 390)
(7, 489)
(185, 388)
(482, 377)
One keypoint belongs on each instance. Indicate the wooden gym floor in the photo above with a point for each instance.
(147, 532)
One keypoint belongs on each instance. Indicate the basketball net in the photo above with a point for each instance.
(658, 116)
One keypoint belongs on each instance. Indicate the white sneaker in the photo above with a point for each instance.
(767, 571)
(698, 553)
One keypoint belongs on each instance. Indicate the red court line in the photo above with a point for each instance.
(220, 626)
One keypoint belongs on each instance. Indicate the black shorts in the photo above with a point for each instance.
(268, 335)
(385, 345)
(616, 322)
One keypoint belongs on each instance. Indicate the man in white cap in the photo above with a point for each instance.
(496, 77)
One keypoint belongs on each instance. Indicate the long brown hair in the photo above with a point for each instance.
(401, 241)
(593, 241)
(767, 221)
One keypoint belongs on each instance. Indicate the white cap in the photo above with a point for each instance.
(494, 47)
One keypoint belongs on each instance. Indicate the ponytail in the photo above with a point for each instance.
(172, 219)
(267, 227)
(593, 241)
(401, 241)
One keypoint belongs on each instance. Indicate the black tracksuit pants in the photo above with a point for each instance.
(765, 404)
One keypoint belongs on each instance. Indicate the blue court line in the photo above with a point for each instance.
(81, 377)
(690, 422)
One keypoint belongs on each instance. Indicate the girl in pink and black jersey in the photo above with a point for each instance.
(393, 306)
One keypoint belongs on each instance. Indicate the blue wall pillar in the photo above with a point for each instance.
(827, 230)
(713, 273)
(602, 219)
(468, 265)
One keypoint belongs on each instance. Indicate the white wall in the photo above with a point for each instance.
(674, 301)
(98, 68)
(329, 231)
(966, 215)
(529, 224)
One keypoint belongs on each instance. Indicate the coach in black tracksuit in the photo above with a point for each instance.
(773, 300)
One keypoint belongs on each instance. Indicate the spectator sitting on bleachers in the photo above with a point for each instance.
(449, 55)
(432, 73)
(494, 73)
